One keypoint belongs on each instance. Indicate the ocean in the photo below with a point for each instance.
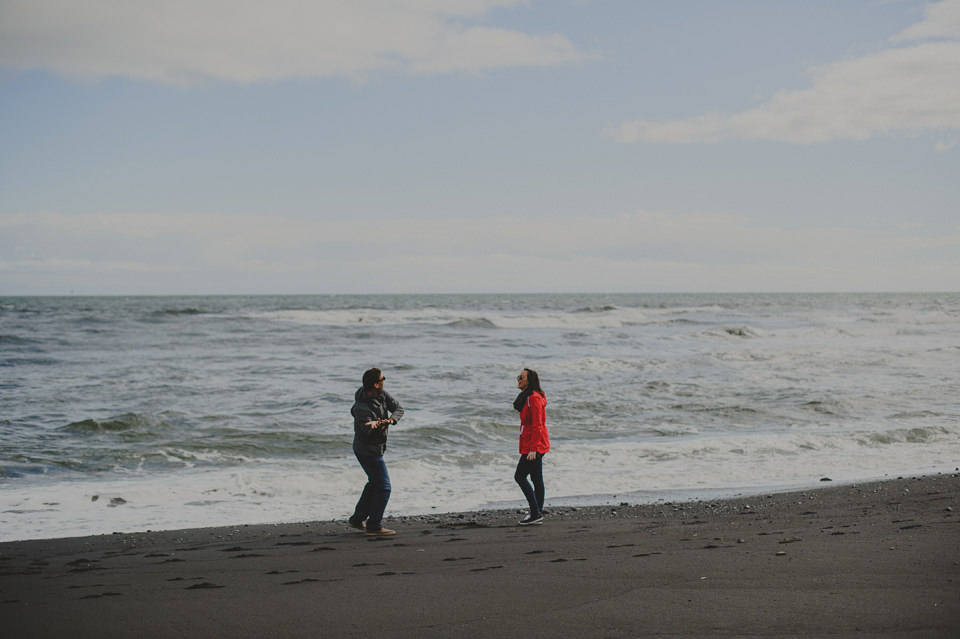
(123, 414)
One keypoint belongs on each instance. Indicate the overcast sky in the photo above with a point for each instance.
(356, 146)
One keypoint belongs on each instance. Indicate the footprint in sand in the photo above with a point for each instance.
(102, 594)
(202, 586)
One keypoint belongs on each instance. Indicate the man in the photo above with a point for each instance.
(374, 410)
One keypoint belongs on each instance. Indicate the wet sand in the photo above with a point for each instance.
(868, 560)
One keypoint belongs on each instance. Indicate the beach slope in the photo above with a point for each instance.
(875, 559)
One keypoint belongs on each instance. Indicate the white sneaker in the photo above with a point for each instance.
(528, 520)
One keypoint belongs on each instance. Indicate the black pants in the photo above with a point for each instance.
(534, 494)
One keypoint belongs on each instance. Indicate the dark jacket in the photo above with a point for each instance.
(368, 441)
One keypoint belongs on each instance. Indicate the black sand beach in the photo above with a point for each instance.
(875, 559)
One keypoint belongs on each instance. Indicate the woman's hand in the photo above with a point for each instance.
(532, 456)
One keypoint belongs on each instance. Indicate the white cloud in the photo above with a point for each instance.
(898, 90)
(640, 251)
(184, 42)
(946, 145)
(941, 20)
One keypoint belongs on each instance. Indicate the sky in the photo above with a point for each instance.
(478, 146)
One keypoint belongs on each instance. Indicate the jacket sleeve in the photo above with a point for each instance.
(396, 410)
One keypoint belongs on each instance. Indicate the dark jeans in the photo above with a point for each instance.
(376, 493)
(534, 494)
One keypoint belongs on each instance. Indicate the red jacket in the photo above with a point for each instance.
(533, 425)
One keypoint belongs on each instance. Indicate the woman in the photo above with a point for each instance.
(534, 443)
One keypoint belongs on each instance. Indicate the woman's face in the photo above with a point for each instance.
(522, 381)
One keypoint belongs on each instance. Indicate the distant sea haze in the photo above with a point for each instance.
(149, 413)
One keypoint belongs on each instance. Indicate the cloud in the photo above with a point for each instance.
(638, 251)
(941, 20)
(897, 90)
(946, 145)
(185, 42)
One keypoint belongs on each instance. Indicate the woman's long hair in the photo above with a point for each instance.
(533, 386)
(533, 382)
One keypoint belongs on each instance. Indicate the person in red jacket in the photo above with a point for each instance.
(534, 442)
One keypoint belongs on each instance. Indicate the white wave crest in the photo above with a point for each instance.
(612, 318)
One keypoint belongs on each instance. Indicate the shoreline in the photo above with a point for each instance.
(558, 503)
(877, 559)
